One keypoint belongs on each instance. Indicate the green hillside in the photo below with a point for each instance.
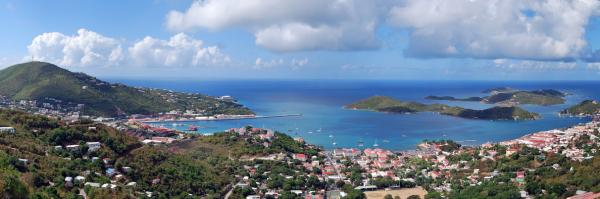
(586, 107)
(40, 80)
(390, 105)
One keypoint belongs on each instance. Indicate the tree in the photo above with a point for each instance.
(414, 197)
(388, 196)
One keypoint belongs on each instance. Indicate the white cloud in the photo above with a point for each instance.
(294, 63)
(288, 25)
(259, 63)
(594, 66)
(180, 50)
(531, 65)
(522, 29)
(87, 48)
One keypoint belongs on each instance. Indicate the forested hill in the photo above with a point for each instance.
(41, 81)
(390, 105)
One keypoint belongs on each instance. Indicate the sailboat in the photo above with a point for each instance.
(361, 143)
(375, 145)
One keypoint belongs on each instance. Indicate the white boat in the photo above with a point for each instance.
(331, 136)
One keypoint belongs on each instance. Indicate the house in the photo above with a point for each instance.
(79, 179)
(110, 172)
(521, 176)
(73, 147)
(23, 161)
(69, 181)
(126, 169)
(93, 146)
(92, 184)
(131, 184)
(300, 156)
(7, 130)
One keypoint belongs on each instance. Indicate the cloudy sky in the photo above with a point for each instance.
(333, 39)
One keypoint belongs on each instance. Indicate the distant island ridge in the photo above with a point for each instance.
(507, 96)
(391, 105)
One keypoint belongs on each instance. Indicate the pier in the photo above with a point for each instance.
(227, 118)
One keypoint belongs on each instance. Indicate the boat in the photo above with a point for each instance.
(319, 130)
(310, 132)
(361, 143)
(331, 136)
(375, 145)
(386, 141)
(192, 128)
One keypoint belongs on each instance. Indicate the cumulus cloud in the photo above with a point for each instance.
(521, 29)
(288, 25)
(87, 48)
(180, 50)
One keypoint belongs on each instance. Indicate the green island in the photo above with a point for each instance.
(584, 108)
(390, 105)
(48, 83)
(509, 96)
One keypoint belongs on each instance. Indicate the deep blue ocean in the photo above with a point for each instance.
(321, 104)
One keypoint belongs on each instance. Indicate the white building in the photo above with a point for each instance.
(93, 146)
(7, 130)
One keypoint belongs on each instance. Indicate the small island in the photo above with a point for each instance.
(506, 96)
(391, 105)
(585, 108)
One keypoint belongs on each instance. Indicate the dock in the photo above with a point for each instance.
(227, 118)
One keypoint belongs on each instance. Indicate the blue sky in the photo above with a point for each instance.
(395, 39)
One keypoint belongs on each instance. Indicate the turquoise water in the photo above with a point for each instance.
(320, 102)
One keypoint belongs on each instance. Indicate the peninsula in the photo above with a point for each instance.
(390, 105)
(510, 97)
(48, 86)
(585, 108)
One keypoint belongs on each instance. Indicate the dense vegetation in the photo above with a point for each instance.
(201, 166)
(41, 81)
(34, 140)
(390, 105)
(511, 96)
(586, 107)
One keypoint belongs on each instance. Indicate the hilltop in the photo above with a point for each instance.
(586, 107)
(510, 96)
(390, 105)
(47, 82)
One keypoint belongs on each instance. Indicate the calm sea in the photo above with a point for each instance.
(324, 121)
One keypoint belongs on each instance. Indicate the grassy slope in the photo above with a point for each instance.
(38, 80)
